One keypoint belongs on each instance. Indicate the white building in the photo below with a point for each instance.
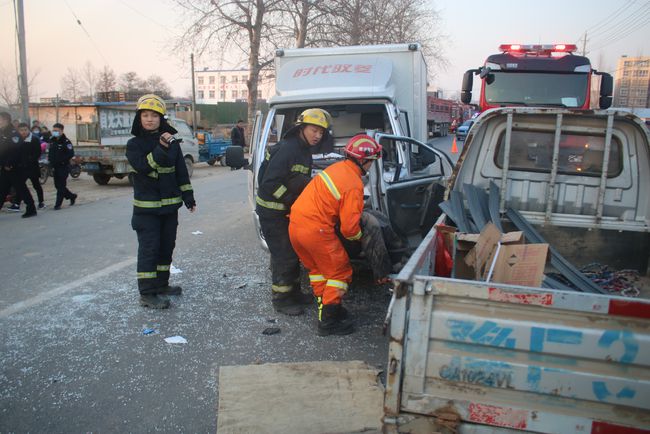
(229, 85)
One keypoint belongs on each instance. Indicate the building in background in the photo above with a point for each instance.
(632, 85)
(229, 85)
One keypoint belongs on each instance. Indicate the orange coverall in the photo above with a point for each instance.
(334, 195)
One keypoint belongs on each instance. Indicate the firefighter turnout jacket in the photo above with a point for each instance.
(334, 196)
(285, 172)
(160, 179)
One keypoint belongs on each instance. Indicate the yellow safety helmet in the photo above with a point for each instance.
(152, 102)
(318, 117)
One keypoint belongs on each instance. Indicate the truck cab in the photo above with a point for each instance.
(548, 75)
(380, 91)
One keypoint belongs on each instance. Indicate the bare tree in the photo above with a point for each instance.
(106, 80)
(156, 84)
(71, 85)
(89, 79)
(130, 82)
(298, 17)
(9, 94)
(245, 25)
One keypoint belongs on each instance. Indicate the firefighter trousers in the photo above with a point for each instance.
(285, 265)
(322, 253)
(156, 242)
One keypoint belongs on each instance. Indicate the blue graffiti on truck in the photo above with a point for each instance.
(498, 374)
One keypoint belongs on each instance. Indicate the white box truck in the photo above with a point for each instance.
(379, 90)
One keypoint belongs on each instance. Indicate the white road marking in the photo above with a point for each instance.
(37, 299)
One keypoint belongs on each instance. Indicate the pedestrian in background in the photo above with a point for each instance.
(238, 135)
(11, 172)
(284, 173)
(333, 199)
(161, 185)
(60, 153)
(30, 154)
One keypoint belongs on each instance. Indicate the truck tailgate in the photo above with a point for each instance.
(516, 357)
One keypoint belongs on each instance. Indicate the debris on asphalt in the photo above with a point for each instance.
(271, 331)
(197, 233)
(174, 270)
(176, 340)
(243, 285)
(148, 331)
(272, 320)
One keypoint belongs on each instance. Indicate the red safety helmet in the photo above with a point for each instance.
(363, 147)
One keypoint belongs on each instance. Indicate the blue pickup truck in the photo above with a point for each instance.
(212, 149)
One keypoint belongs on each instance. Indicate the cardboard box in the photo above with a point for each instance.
(521, 264)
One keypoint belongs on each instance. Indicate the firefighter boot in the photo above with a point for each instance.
(332, 320)
(300, 297)
(169, 290)
(154, 301)
(285, 303)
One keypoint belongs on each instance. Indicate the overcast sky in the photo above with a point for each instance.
(137, 35)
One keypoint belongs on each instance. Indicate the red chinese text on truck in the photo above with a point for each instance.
(537, 76)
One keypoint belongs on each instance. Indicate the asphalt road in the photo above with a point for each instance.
(73, 354)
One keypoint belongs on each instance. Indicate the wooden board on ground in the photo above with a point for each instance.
(313, 397)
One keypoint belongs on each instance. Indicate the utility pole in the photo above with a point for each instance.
(194, 126)
(584, 45)
(24, 91)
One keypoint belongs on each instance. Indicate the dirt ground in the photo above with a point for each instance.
(89, 191)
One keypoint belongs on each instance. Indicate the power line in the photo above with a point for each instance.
(624, 24)
(609, 18)
(633, 27)
(86, 32)
(166, 27)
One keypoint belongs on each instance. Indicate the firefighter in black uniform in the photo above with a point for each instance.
(161, 185)
(283, 175)
(59, 154)
(12, 173)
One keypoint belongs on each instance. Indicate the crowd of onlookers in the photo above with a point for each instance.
(22, 147)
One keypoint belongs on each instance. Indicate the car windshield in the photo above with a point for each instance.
(467, 124)
(537, 88)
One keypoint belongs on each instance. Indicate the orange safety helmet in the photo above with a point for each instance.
(363, 147)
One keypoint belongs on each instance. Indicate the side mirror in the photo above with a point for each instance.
(468, 83)
(606, 90)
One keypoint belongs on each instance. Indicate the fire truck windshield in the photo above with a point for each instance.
(536, 88)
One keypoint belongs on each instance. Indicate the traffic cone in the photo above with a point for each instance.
(454, 148)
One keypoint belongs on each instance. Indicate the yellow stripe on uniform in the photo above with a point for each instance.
(282, 288)
(147, 203)
(300, 168)
(147, 275)
(166, 169)
(338, 284)
(186, 187)
(279, 192)
(355, 237)
(271, 205)
(151, 161)
(171, 201)
(330, 185)
(317, 278)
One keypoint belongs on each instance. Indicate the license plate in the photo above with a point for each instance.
(90, 167)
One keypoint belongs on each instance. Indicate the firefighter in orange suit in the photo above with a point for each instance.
(333, 198)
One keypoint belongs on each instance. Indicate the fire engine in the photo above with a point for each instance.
(539, 76)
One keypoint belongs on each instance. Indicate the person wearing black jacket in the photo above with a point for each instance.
(237, 135)
(161, 184)
(11, 171)
(30, 150)
(283, 175)
(60, 153)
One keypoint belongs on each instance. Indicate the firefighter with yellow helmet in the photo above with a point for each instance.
(283, 175)
(161, 185)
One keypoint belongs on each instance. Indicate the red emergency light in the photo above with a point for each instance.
(537, 48)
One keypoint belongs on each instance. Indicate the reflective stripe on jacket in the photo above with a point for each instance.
(334, 196)
(160, 180)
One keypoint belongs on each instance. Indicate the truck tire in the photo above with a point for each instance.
(101, 178)
(189, 163)
(211, 161)
(235, 157)
(75, 170)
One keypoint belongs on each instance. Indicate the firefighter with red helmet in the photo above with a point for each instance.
(283, 175)
(333, 199)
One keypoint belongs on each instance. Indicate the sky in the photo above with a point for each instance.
(138, 36)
